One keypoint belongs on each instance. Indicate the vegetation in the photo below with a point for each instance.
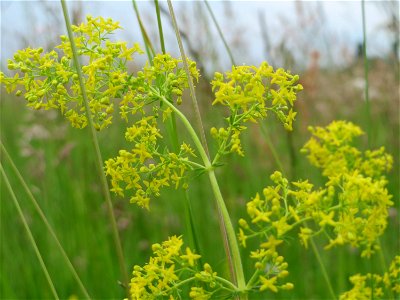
(291, 236)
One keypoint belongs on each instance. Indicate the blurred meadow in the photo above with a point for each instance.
(320, 41)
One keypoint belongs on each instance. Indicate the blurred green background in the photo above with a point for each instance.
(58, 162)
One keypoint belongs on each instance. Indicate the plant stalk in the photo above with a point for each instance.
(28, 231)
(232, 241)
(366, 79)
(220, 33)
(190, 81)
(149, 47)
(160, 29)
(272, 148)
(323, 269)
(99, 160)
(222, 224)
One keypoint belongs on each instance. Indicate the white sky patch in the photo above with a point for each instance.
(325, 26)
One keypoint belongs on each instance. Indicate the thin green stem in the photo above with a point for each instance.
(149, 47)
(366, 94)
(28, 231)
(45, 221)
(160, 30)
(218, 278)
(369, 117)
(220, 33)
(272, 148)
(192, 132)
(222, 147)
(226, 282)
(233, 245)
(190, 227)
(194, 164)
(173, 135)
(236, 121)
(323, 269)
(263, 130)
(99, 160)
(254, 277)
(384, 265)
(228, 49)
(190, 81)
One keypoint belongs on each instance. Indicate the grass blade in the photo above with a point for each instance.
(228, 49)
(190, 81)
(28, 231)
(45, 221)
(149, 47)
(366, 79)
(160, 30)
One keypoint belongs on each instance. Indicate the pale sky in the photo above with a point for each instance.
(331, 27)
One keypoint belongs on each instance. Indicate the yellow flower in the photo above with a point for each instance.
(327, 219)
(190, 257)
(271, 243)
(242, 237)
(268, 284)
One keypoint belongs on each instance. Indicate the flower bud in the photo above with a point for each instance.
(258, 265)
(284, 273)
(243, 223)
(105, 100)
(287, 286)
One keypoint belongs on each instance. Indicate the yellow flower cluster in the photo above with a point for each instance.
(250, 92)
(51, 82)
(331, 150)
(351, 209)
(144, 169)
(248, 86)
(374, 286)
(359, 181)
(170, 273)
(283, 207)
(164, 77)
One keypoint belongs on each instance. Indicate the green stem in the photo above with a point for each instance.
(202, 134)
(222, 147)
(160, 30)
(99, 160)
(149, 47)
(218, 278)
(369, 117)
(192, 132)
(384, 265)
(173, 135)
(190, 227)
(28, 231)
(233, 245)
(272, 148)
(254, 277)
(236, 121)
(45, 221)
(263, 130)
(220, 32)
(323, 269)
(190, 81)
(367, 103)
